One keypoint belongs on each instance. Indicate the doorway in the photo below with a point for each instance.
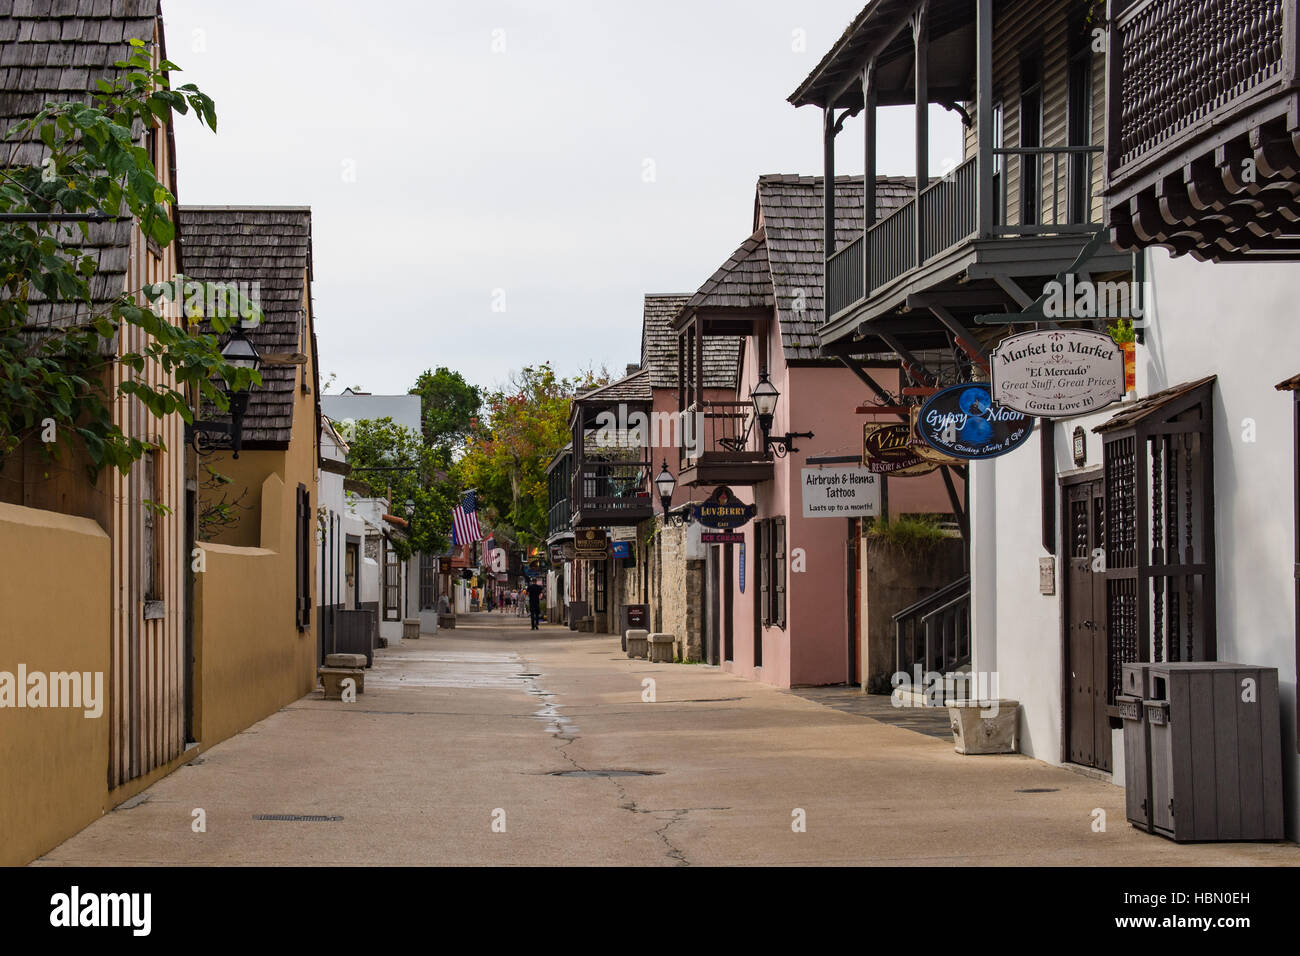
(1087, 724)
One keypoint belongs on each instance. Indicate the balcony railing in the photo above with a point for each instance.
(1181, 62)
(724, 431)
(1061, 204)
(934, 633)
(611, 490)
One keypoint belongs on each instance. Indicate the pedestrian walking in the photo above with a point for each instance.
(535, 603)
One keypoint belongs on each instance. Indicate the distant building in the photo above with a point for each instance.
(404, 410)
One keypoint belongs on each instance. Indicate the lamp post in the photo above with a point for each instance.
(240, 352)
(666, 484)
(765, 396)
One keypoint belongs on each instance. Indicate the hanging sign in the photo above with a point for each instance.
(1058, 373)
(620, 549)
(625, 533)
(965, 422)
(722, 537)
(923, 450)
(723, 511)
(591, 544)
(840, 493)
(886, 450)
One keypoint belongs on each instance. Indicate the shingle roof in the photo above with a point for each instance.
(55, 51)
(792, 210)
(659, 347)
(631, 388)
(1152, 405)
(269, 248)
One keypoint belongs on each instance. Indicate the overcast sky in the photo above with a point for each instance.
(556, 160)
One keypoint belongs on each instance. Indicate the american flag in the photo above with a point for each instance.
(464, 520)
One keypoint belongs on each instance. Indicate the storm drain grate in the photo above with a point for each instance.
(1040, 790)
(605, 773)
(295, 817)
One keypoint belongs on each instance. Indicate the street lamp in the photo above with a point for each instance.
(665, 484)
(410, 508)
(765, 396)
(240, 352)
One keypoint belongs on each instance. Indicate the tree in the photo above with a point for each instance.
(93, 169)
(448, 407)
(506, 456)
(396, 463)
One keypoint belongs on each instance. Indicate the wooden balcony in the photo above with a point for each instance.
(725, 446)
(1203, 124)
(611, 494)
(948, 254)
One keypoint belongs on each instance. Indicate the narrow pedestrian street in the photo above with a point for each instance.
(492, 744)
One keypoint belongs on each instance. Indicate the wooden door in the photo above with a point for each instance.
(1087, 724)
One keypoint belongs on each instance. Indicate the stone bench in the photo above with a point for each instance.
(332, 679)
(587, 625)
(637, 643)
(661, 648)
(446, 620)
(411, 629)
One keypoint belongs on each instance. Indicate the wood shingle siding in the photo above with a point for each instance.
(659, 347)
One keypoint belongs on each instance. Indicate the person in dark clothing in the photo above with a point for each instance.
(535, 603)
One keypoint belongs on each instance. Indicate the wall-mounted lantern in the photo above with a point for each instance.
(240, 352)
(765, 396)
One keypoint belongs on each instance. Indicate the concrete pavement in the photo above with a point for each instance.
(451, 755)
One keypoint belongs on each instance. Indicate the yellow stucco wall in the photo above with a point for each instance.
(53, 762)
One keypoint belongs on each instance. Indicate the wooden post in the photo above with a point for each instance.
(985, 131)
(828, 182)
(921, 43)
(869, 97)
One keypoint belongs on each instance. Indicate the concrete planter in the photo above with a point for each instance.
(410, 628)
(984, 727)
(446, 620)
(661, 648)
(332, 678)
(637, 643)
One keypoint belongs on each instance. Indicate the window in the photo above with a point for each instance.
(1031, 137)
(771, 570)
(303, 548)
(599, 579)
(426, 582)
(392, 583)
(151, 528)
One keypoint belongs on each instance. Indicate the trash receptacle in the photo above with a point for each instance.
(1203, 750)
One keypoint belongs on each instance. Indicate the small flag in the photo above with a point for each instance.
(464, 520)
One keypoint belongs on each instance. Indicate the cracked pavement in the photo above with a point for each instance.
(455, 729)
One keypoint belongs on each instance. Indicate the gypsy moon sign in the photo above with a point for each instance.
(965, 422)
(1056, 374)
(886, 450)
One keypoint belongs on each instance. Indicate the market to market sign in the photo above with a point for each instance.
(1057, 374)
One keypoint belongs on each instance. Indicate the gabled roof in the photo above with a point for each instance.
(659, 347)
(781, 264)
(268, 247)
(55, 51)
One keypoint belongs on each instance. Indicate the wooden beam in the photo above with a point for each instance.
(869, 165)
(910, 361)
(1012, 288)
(921, 45)
(967, 342)
(828, 180)
(985, 204)
(956, 503)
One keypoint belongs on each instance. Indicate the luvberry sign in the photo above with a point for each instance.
(1056, 374)
(965, 422)
(723, 511)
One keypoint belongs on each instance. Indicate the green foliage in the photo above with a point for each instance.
(908, 531)
(448, 408)
(94, 166)
(397, 463)
(505, 459)
(1121, 330)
